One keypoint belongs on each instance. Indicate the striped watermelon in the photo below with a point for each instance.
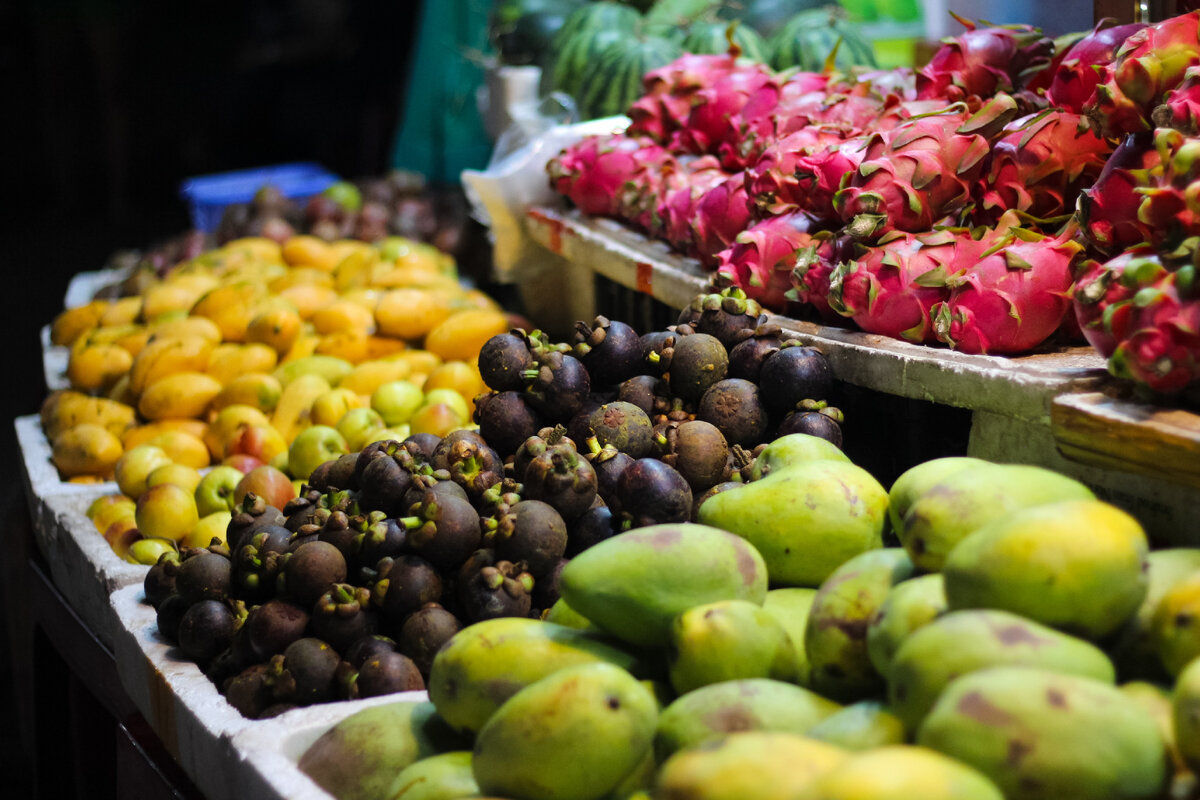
(766, 16)
(712, 38)
(614, 81)
(586, 33)
(605, 14)
(809, 37)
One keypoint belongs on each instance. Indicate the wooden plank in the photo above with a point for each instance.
(1120, 10)
(1095, 429)
(1019, 387)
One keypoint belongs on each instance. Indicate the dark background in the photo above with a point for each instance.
(108, 106)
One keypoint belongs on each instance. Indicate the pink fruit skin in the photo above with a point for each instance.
(720, 215)
(814, 268)
(1108, 211)
(983, 61)
(1076, 76)
(677, 206)
(715, 114)
(669, 90)
(772, 182)
(763, 256)
(1163, 350)
(592, 171)
(1181, 106)
(1013, 299)
(1098, 288)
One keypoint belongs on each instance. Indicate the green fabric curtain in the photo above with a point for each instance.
(440, 132)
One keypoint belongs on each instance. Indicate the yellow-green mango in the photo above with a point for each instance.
(836, 637)
(790, 606)
(756, 704)
(1133, 651)
(635, 584)
(1175, 628)
(447, 776)
(864, 725)
(902, 772)
(754, 765)
(1157, 702)
(962, 502)
(1043, 735)
(791, 450)
(574, 735)
(486, 663)
(1078, 565)
(917, 480)
(358, 758)
(965, 641)
(562, 614)
(806, 520)
(331, 368)
(908, 606)
(725, 641)
(1185, 713)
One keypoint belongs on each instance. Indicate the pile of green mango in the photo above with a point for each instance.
(1021, 642)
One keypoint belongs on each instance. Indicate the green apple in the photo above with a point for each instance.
(397, 401)
(357, 425)
(166, 511)
(211, 526)
(135, 466)
(215, 491)
(312, 447)
(147, 551)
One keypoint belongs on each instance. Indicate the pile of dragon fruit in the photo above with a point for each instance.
(972, 202)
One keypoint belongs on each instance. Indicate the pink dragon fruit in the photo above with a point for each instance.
(814, 268)
(638, 200)
(1170, 206)
(1150, 63)
(762, 258)
(1102, 293)
(772, 183)
(1014, 297)
(677, 206)
(1108, 210)
(891, 288)
(721, 214)
(820, 174)
(983, 62)
(669, 91)
(920, 171)
(716, 112)
(1040, 165)
(1076, 76)
(1181, 106)
(755, 126)
(593, 171)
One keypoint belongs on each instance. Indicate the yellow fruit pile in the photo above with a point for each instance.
(273, 338)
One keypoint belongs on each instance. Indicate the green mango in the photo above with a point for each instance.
(574, 735)
(358, 758)
(917, 480)
(562, 614)
(965, 641)
(790, 607)
(806, 520)
(864, 725)
(1156, 701)
(1043, 735)
(902, 772)
(908, 606)
(791, 450)
(635, 584)
(1185, 713)
(1174, 630)
(962, 502)
(1078, 565)
(331, 368)
(486, 663)
(442, 777)
(836, 637)
(756, 704)
(754, 765)
(725, 641)
(1133, 650)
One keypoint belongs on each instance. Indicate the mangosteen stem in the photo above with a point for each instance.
(593, 445)
(410, 523)
(653, 357)
(341, 594)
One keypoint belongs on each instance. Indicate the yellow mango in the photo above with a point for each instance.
(421, 361)
(98, 366)
(277, 328)
(310, 251)
(226, 424)
(122, 312)
(228, 361)
(331, 406)
(120, 392)
(183, 448)
(384, 346)
(168, 298)
(410, 313)
(183, 394)
(368, 376)
(134, 341)
(258, 248)
(231, 307)
(355, 268)
(66, 409)
(73, 322)
(349, 346)
(343, 315)
(293, 412)
(304, 346)
(461, 335)
(331, 368)
(183, 327)
(86, 449)
(308, 298)
(300, 276)
(257, 389)
(167, 356)
(144, 434)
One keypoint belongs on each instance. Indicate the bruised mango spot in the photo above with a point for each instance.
(979, 708)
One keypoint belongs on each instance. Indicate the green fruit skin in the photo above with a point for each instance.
(1133, 650)
(635, 584)
(806, 520)
(358, 758)
(1173, 630)
(1041, 735)
(756, 704)
(945, 513)
(902, 772)
(486, 663)
(1078, 565)
(790, 608)
(572, 736)
(754, 765)
(861, 726)
(1156, 701)
(442, 777)
(962, 642)
(836, 637)
(725, 641)
(917, 480)
(1185, 713)
(562, 614)
(909, 606)
(792, 450)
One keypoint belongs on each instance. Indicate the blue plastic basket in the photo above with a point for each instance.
(208, 195)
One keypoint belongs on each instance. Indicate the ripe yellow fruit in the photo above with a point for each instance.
(368, 376)
(166, 511)
(167, 356)
(86, 449)
(70, 324)
(462, 335)
(277, 328)
(343, 315)
(183, 327)
(258, 389)
(142, 434)
(228, 361)
(231, 306)
(410, 313)
(183, 448)
(310, 251)
(184, 394)
(347, 345)
(308, 298)
(96, 367)
(331, 406)
(63, 410)
(122, 312)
